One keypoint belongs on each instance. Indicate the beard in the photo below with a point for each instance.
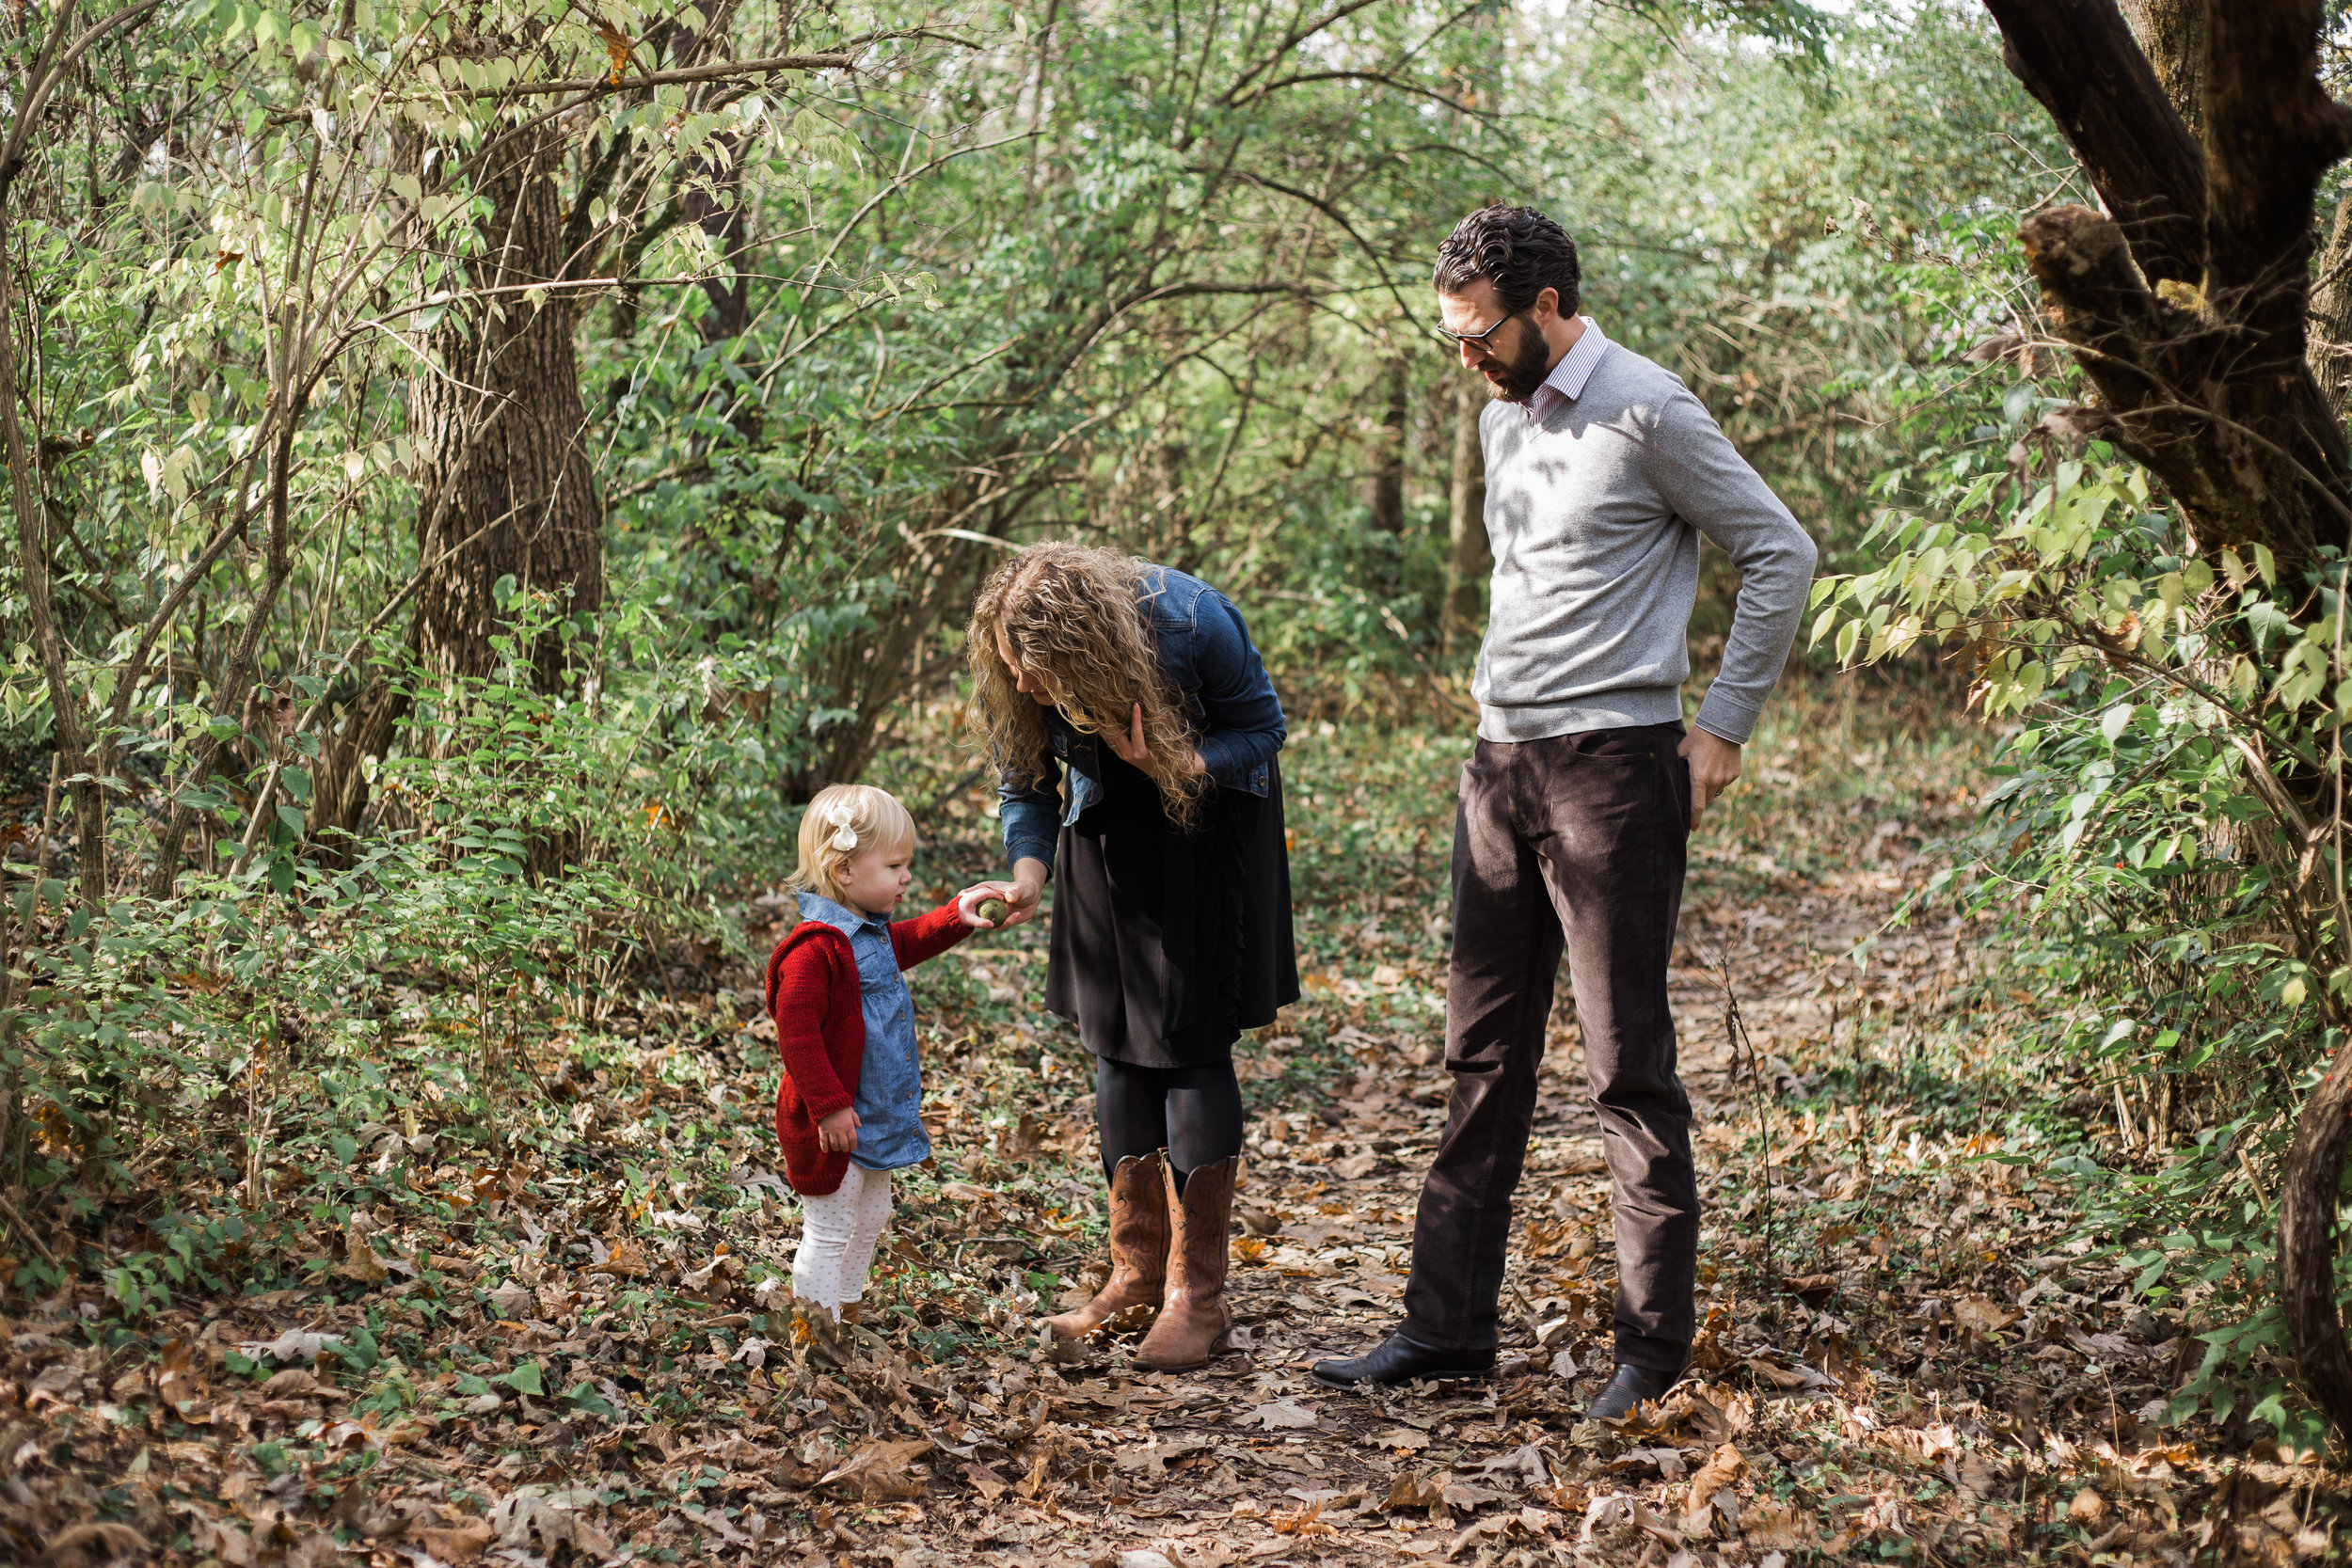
(1517, 379)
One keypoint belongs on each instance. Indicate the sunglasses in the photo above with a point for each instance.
(1481, 338)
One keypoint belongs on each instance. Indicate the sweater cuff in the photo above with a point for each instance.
(1727, 717)
(818, 1109)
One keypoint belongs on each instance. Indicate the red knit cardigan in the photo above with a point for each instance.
(813, 996)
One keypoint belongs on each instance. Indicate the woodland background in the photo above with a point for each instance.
(475, 470)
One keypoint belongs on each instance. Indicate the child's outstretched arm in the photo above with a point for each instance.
(927, 936)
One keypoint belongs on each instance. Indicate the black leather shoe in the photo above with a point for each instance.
(1627, 1388)
(1397, 1359)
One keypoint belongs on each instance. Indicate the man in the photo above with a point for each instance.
(1603, 473)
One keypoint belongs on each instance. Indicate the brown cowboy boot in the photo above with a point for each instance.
(1194, 1318)
(1138, 1238)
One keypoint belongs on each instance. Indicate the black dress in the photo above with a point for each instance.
(1166, 944)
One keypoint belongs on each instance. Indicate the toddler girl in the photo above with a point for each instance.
(847, 1110)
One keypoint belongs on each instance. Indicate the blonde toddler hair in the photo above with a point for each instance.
(842, 823)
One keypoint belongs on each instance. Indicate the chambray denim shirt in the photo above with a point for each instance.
(889, 1100)
(1204, 647)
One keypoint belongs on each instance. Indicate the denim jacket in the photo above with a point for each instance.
(1205, 649)
(889, 1088)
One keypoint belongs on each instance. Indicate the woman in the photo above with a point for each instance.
(1171, 931)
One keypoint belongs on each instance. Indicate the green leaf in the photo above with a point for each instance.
(584, 1397)
(524, 1378)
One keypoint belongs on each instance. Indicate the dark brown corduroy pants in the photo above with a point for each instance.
(1576, 843)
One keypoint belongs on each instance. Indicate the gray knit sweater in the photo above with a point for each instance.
(1594, 512)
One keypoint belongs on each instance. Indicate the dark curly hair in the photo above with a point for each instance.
(1518, 249)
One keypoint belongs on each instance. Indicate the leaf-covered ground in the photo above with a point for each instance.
(568, 1335)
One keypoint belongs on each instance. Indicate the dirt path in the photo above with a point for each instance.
(1251, 1459)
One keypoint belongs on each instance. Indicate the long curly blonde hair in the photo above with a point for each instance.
(1075, 618)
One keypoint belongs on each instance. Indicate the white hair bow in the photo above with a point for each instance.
(845, 833)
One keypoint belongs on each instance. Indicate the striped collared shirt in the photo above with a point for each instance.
(1566, 382)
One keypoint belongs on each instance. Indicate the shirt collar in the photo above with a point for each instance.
(816, 906)
(1566, 382)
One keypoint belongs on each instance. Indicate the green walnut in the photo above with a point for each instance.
(993, 910)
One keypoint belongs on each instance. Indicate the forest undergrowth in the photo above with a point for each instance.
(553, 1323)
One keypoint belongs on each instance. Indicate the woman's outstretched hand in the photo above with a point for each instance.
(1022, 896)
(1135, 752)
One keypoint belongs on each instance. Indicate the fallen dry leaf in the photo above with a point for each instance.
(1723, 1468)
(879, 1469)
(1283, 1415)
(1979, 1478)
(107, 1541)
(361, 1264)
(1772, 1527)
(1668, 1461)
(295, 1344)
(1778, 1376)
(1814, 1290)
(1617, 1509)
(1307, 1522)
(296, 1383)
(456, 1543)
(1718, 1415)
(1983, 1315)
(1411, 1491)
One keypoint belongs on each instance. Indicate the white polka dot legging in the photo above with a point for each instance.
(838, 1230)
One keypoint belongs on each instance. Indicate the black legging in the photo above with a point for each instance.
(1192, 1112)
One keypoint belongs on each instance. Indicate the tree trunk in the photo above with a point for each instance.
(503, 483)
(1385, 493)
(2079, 60)
(1469, 558)
(504, 487)
(729, 292)
(2307, 1190)
(2193, 334)
(2171, 33)
(31, 506)
(2330, 348)
(2203, 376)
